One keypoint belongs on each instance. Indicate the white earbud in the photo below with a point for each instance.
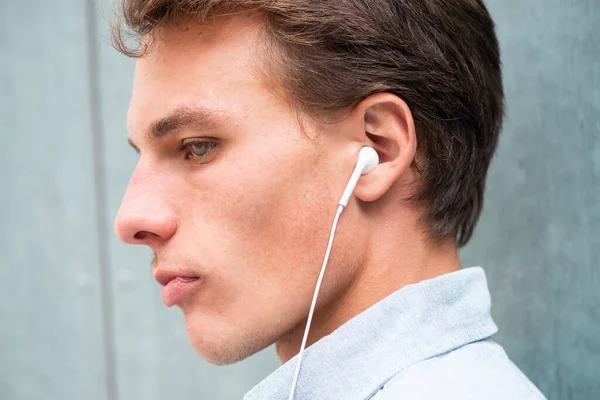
(367, 161)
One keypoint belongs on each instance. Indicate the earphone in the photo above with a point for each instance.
(367, 161)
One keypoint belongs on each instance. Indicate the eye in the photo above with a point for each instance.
(198, 149)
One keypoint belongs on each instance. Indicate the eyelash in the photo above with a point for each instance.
(189, 155)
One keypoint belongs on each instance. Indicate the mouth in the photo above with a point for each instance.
(176, 287)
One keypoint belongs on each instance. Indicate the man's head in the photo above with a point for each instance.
(248, 116)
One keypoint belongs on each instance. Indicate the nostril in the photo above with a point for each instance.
(145, 231)
(141, 235)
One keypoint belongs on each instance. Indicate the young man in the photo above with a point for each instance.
(249, 115)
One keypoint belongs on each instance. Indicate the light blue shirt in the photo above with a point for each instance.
(430, 340)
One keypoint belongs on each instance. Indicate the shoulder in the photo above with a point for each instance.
(475, 371)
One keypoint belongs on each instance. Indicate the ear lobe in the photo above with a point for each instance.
(389, 126)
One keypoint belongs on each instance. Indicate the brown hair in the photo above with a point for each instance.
(440, 56)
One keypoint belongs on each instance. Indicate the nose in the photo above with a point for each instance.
(145, 216)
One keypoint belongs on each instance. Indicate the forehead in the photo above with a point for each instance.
(212, 65)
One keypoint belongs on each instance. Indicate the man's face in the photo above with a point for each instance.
(250, 217)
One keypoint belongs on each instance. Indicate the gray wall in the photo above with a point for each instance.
(80, 314)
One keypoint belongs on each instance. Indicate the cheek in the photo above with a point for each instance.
(273, 214)
(264, 219)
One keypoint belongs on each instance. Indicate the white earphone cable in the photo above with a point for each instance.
(314, 301)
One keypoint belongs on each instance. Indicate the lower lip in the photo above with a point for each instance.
(174, 291)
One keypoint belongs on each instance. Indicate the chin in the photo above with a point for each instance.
(222, 342)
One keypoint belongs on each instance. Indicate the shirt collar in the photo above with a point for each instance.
(417, 322)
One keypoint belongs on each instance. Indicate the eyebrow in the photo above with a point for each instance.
(196, 117)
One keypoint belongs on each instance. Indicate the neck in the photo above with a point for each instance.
(387, 268)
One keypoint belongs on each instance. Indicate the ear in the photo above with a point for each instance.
(389, 128)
